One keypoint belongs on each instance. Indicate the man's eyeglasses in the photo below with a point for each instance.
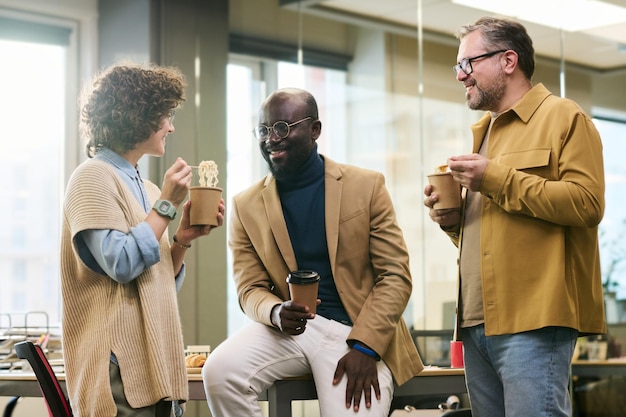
(280, 128)
(466, 63)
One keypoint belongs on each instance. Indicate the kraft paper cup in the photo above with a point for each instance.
(205, 203)
(456, 354)
(449, 191)
(303, 286)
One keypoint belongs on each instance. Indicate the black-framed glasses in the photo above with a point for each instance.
(466, 63)
(280, 128)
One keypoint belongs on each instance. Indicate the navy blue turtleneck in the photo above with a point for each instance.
(302, 199)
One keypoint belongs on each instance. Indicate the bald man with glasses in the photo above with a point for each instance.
(313, 213)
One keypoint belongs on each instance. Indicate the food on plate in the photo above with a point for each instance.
(195, 360)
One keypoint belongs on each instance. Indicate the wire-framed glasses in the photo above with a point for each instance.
(280, 128)
(170, 116)
(466, 63)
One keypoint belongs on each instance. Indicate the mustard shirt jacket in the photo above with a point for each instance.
(544, 198)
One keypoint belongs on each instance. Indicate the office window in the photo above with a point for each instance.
(613, 226)
(19, 271)
(32, 163)
(244, 89)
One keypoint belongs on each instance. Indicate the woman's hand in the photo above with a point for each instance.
(176, 182)
(186, 233)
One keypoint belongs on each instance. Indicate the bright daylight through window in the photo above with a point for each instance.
(31, 166)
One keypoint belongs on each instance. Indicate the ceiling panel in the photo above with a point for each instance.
(592, 49)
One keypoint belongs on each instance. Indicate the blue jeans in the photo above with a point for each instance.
(519, 375)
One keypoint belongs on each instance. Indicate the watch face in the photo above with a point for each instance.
(165, 208)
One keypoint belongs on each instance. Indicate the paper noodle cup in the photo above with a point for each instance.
(449, 191)
(205, 203)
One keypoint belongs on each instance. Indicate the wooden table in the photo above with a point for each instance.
(431, 381)
(24, 384)
(600, 368)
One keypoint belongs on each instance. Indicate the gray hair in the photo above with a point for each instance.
(505, 34)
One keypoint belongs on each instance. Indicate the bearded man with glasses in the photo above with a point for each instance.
(528, 231)
(313, 213)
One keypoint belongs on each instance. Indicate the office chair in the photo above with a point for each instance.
(451, 408)
(8, 409)
(57, 402)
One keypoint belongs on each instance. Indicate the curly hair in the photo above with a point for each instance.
(505, 34)
(127, 103)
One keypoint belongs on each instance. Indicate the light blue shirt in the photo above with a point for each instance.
(124, 256)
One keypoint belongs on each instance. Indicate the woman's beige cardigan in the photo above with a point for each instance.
(139, 321)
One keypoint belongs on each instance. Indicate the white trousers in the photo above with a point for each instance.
(249, 362)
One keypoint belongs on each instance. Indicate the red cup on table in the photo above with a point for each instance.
(456, 354)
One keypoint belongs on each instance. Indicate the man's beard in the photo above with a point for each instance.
(282, 172)
(289, 169)
(488, 98)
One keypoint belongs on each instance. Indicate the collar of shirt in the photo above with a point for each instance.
(128, 173)
(117, 161)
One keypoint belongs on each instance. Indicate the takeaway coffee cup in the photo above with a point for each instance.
(449, 191)
(456, 354)
(303, 286)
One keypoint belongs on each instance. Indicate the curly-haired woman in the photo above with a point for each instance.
(122, 339)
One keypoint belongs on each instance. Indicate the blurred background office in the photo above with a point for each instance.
(382, 74)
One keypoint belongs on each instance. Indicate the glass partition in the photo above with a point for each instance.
(613, 226)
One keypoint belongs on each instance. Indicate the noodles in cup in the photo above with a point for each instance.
(207, 170)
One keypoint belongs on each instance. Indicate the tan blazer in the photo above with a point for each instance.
(368, 256)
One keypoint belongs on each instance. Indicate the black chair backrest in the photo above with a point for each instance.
(57, 402)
